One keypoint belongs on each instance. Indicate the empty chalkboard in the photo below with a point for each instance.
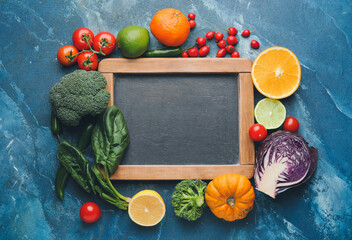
(186, 117)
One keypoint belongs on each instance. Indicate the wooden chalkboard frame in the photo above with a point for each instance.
(110, 66)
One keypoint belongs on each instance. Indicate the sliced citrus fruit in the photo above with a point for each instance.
(276, 72)
(270, 113)
(146, 208)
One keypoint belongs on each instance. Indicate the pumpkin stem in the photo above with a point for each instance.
(231, 201)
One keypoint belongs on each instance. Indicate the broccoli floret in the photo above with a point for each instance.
(78, 94)
(188, 199)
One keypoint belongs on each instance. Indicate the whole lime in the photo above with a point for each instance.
(133, 41)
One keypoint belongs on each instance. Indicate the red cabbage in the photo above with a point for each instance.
(283, 161)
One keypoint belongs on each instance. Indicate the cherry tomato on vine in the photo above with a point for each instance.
(79, 37)
(87, 61)
(67, 55)
(291, 124)
(106, 41)
(257, 132)
(90, 212)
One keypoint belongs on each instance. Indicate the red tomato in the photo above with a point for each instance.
(291, 124)
(90, 212)
(88, 61)
(106, 41)
(257, 132)
(67, 55)
(79, 37)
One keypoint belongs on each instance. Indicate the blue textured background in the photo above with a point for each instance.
(318, 32)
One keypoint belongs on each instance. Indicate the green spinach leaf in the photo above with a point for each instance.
(110, 138)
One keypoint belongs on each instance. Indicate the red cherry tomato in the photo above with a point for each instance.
(222, 43)
(230, 49)
(246, 33)
(67, 55)
(257, 132)
(219, 36)
(88, 61)
(291, 124)
(193, 52)
(204, 51)
(106, 41)
(192, 23)
(232, 31)
(79, 37)
(90, 212)
(221, 52)
(235, 54)
(191, 16)
(201, 41)
(210, 35)
(254, 44)
(184, 54)
(232, 40)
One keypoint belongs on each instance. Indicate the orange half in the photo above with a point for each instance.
(276, 72)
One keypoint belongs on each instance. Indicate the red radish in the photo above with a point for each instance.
(235, 54)
(204, 51)
(246, 33)
(192, 24)
(201, 41)
(230, 49)
(210, 35)
(219, 36)
(232, 31)
(184, 54)
(255, 44)
(221, 52)
(222, 44)
(231, 40)
(191, 16)
(193, 52)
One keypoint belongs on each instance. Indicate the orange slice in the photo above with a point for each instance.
(276, 72)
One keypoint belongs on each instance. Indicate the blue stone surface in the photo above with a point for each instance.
(31, 32)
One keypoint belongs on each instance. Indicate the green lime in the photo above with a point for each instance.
(270, 113)
(133, 41)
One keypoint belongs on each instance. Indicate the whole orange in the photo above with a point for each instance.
(170, 27)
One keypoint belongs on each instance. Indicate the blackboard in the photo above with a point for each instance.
(187, 118)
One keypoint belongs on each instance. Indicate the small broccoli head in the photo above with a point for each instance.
(78, 94)
(188, 199)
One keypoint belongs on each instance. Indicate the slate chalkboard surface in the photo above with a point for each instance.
(187, 118)
(179, 118)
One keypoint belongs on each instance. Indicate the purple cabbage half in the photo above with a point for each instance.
(283, 161)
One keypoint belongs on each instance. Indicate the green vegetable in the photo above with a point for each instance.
(164, 52)
(84, 138)
(76, 164)
(62, 176)
(188, 199)
(55, 126)
(110, 138)
(79, 94)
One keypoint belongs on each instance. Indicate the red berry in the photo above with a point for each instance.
(221, 52)
(230, 49)
(204, 51)
(210, 35)
(246, 33)
(231, 40)
(193, 52)
(191, 16)
(235, 54)
(219, 36)
(222, 43)
(232, 31)
(201, 41)
(192, 24)
(254, 44)
(184, 54)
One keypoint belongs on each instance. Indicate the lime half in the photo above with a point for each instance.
(270, 113)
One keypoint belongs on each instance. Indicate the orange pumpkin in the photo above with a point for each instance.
(230, 196)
